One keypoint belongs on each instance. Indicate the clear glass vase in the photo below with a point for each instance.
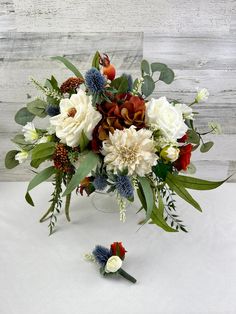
(105, 202)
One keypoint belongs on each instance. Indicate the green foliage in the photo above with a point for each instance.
(88, 163)
(158, 219)
(195, 183)
(10, 161)
(44, 150)
(167, 76)
(39, 178)
(83, 142)
(158, 67)
(69, 65)
(120, 84)
(19, 140)
(52, 83)
(23, 116)
(145, 67)
(193, 137)
(148, 85)
(179, 189)
(161, 169)
(37, 107)
(147, 192)
(95, 62)
(205, 147)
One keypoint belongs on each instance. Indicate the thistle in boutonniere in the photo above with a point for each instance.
(110, 260)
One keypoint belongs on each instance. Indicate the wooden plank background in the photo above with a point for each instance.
(196, 38)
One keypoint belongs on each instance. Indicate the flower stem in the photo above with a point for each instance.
(68, 198)
(126, 275)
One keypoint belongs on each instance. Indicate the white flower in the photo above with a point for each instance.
(30, 133)
(21, 156)
(130, 149)
(77, 116)
(163, 116)
(170, 153)
(202, 95)
(113, 264)
(186, 111)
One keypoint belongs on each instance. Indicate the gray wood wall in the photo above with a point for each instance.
(196, 38)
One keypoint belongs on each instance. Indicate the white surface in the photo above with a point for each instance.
(177, 273)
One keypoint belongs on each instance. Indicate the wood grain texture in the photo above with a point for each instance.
(7, 16)
(162, 16)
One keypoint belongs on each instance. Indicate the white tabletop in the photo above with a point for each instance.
(176, 273)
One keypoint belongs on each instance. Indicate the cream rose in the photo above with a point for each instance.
(77, 116)
(163, 116)
(113, 264)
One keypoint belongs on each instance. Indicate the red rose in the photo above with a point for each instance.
(118, 249)
(184, 157)
(183, 139)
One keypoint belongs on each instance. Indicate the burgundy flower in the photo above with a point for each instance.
(118, 249)
(184, 157)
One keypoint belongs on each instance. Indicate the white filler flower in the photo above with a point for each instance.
(202, 95)
(21, 156)
(113, 264)
(186, 111)
(163, 116)
(77, 116)
(30, 133)
(130, 149)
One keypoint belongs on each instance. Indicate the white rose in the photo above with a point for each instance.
(21, 156)
(30, 133)
(163, 116)
(77, 116)
(186, 111)
(202, 95)
(170, 153)
(113, 264)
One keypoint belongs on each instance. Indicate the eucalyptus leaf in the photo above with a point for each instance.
(37, 107)
(120, 84)
(69, 65)
(87, 164)
(19, 139)
(23, 116)
(167, 76)
(10, 161)
(83, 142)
(148, 85)
(145, 67)
(158, 67)
(193, 137)
(205, 147)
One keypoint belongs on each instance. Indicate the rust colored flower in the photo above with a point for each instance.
(71, 84)
(61, 160)
(119, 116)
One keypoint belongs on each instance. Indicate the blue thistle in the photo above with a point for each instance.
(124, 186)
(52, 110)
(100, 183)
(101, 254)
(94, 80)
(130, 81)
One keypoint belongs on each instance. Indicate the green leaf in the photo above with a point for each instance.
(193, 137)
(158, 67)
(19, 139)
(44, 150)
(145, 68)
(87, 164)
(95, 62)
(23, 116)
(157, 219)
(69, 65)
(39, 178)
(179, 189)
(37, 107)
(35, 163)
(145, 187)
(10, 161)
(195, 183)
(83, 142)
(120, 84)
(206, 147)
(148, 86)
(167, 76)
(161, 169)
(191, 169)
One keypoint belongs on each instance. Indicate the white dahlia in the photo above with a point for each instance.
(77, 116)
(165, 117)
(130, 149)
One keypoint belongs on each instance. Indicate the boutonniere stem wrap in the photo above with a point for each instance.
(110, 260)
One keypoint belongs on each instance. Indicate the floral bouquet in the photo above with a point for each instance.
(106, 133)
